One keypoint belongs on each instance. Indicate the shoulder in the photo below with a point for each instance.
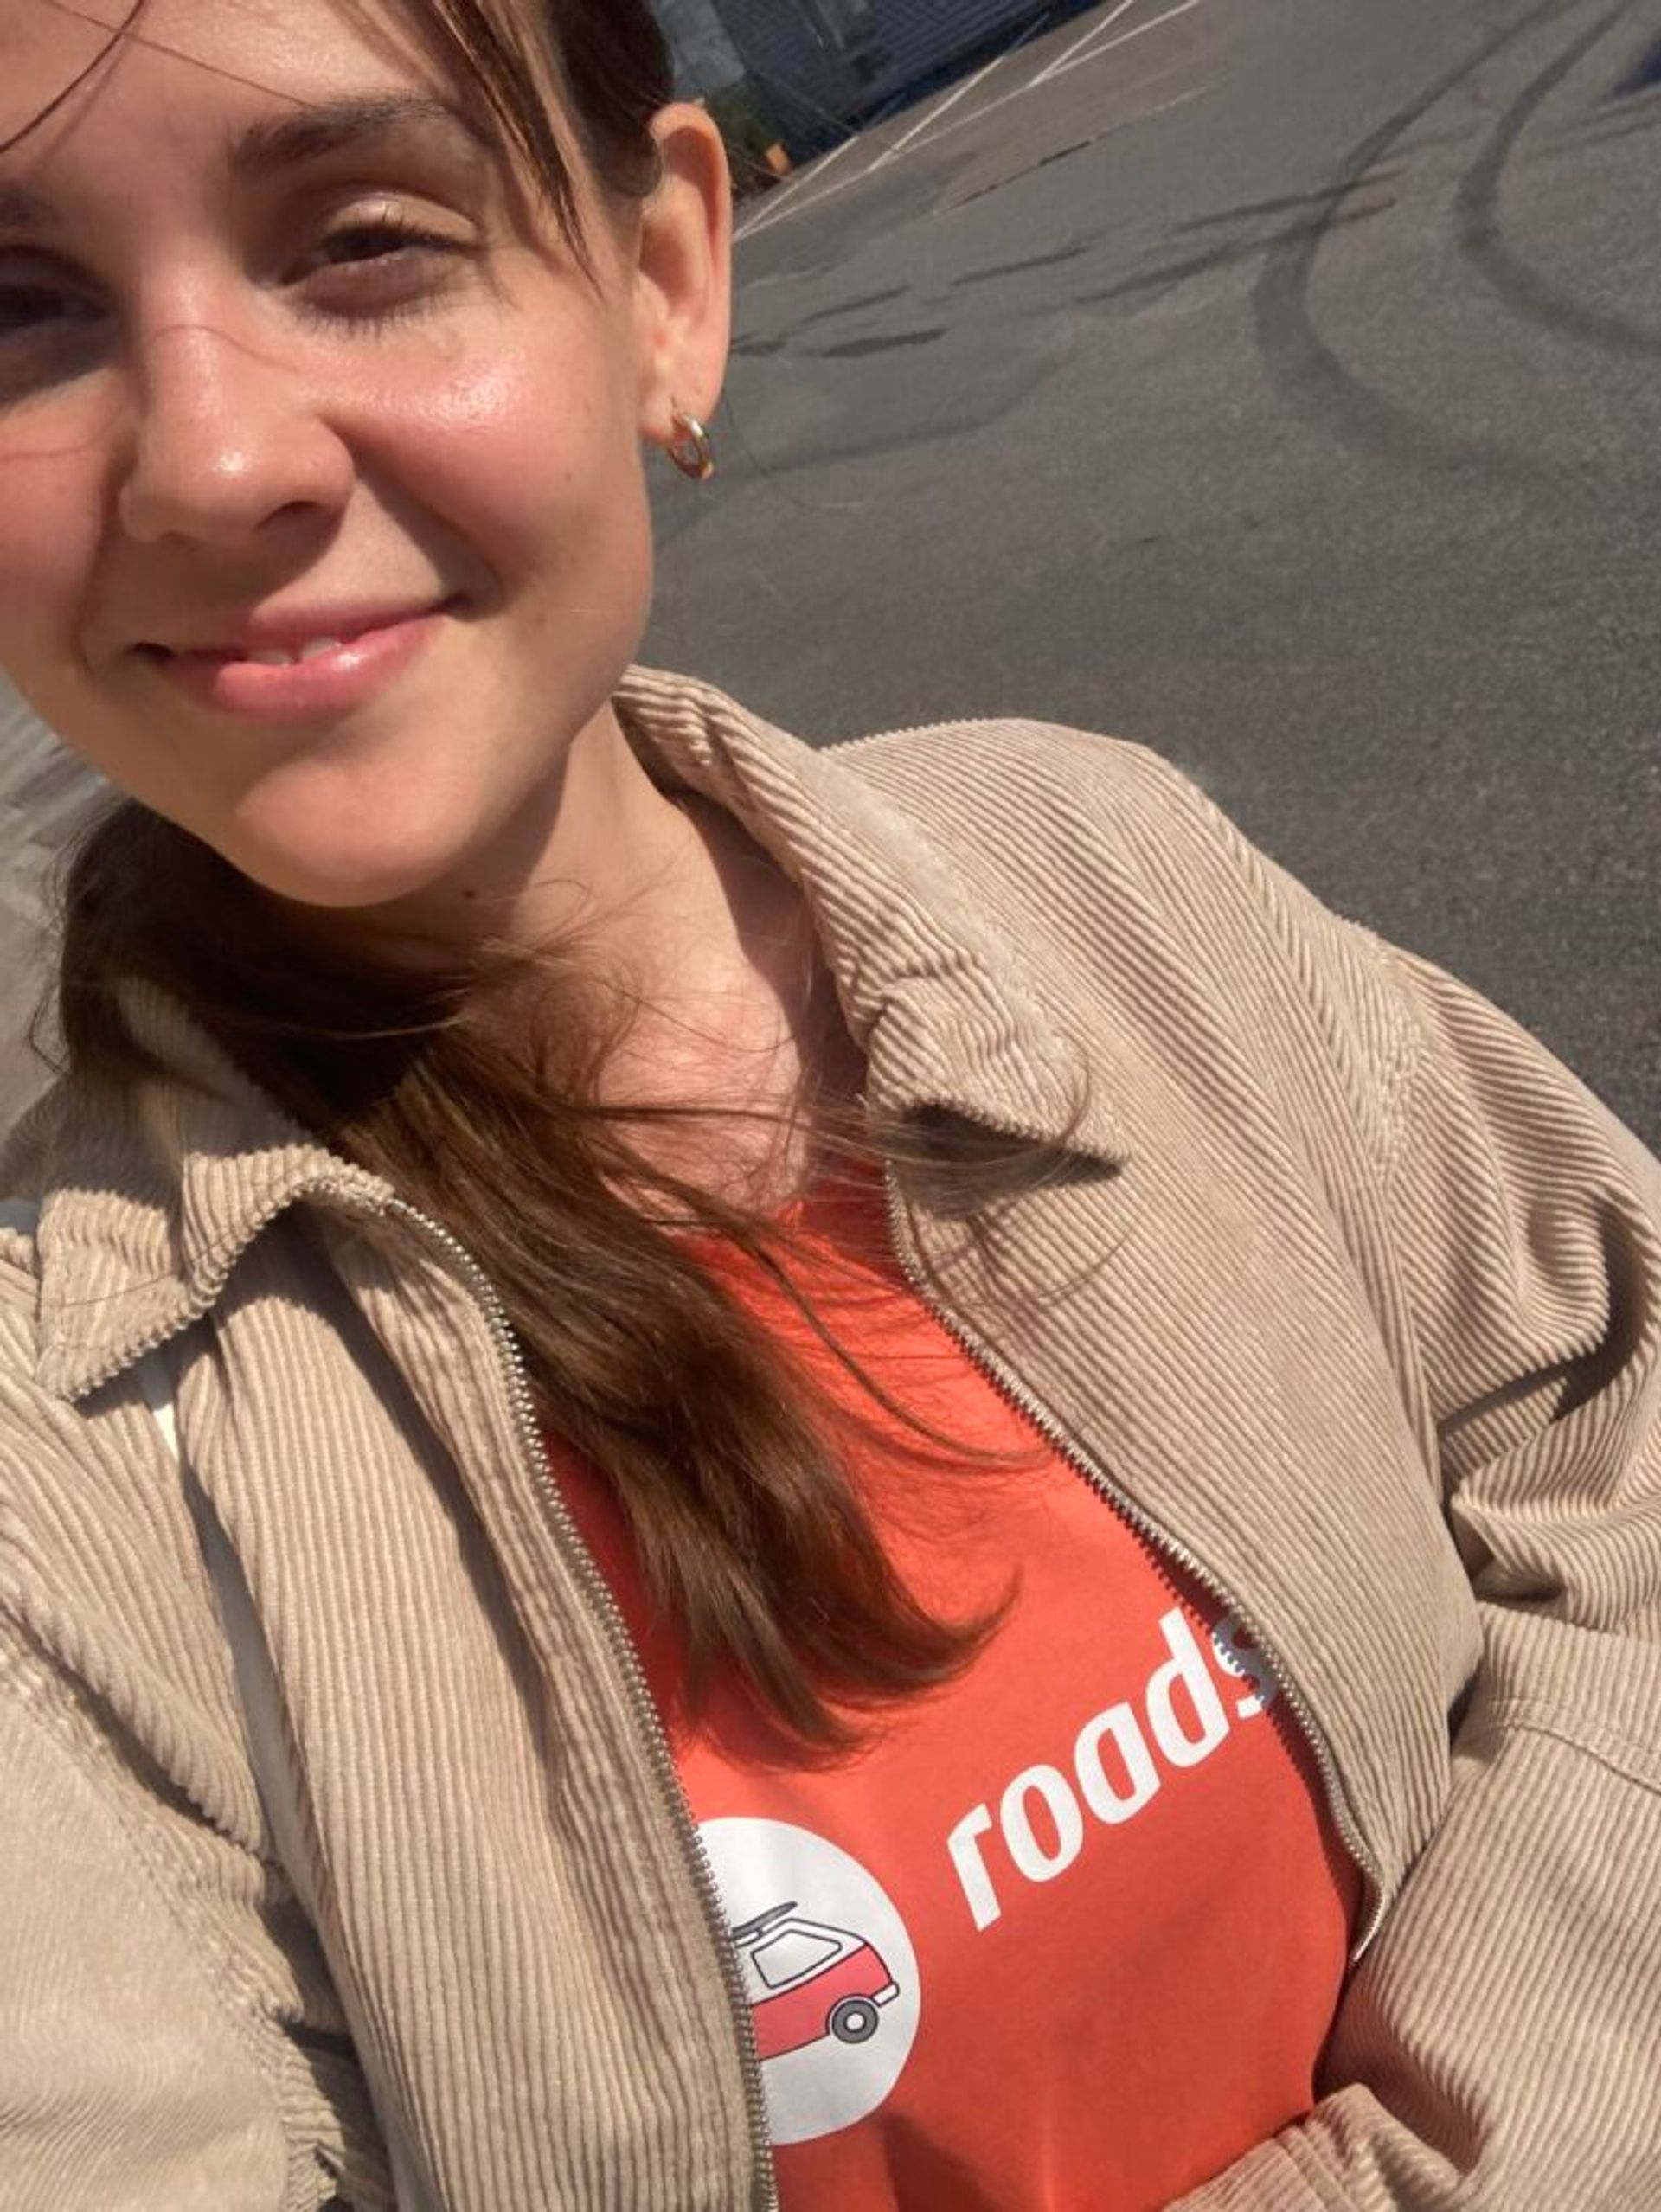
(26, 1175)
(19, 1218)
(1038, 804)
(1077, 800)
(27, 1178)
(20, 1297)
(78, 1477)
(1002, 757)
(1153, 914)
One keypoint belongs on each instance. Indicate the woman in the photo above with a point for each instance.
(731, 1476)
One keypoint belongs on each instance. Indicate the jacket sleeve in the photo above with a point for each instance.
(1499, 2048)
(124, 2086)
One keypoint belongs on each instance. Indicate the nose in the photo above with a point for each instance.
(224, 441)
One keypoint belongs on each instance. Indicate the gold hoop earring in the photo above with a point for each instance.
(694, 450)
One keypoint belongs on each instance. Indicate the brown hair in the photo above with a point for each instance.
(717, 1442)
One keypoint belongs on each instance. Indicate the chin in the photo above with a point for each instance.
(341, 875)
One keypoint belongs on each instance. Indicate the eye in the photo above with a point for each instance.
(376, 268)
(378, 237)
(25, 307)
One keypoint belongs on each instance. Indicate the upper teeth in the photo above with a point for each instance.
(279, 657)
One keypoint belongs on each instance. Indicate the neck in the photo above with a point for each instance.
(738, 1011)
(674, 910)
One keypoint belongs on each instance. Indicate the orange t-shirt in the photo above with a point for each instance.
(1064, 1935)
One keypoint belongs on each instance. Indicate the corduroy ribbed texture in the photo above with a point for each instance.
(1349, 1286)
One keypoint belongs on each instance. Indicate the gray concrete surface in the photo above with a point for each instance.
(1279, 388)
(44, 792)
(1273, 382)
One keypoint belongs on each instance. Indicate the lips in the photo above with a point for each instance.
(271, 656)
(257, 681)
(285, 637)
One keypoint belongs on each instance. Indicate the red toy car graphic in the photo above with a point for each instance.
(807, 1981)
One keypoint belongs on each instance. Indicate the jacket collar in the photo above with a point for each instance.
(145, 1211)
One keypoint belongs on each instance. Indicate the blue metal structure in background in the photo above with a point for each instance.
(824, 67)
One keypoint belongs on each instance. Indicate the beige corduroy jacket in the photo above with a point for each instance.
(330, 1814)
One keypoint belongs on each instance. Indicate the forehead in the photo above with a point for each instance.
(172, 76)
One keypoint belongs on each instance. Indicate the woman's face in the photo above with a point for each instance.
(284, 355)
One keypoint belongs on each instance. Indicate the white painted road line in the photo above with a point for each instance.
(893, 152)
(811, 174)
(1047, 74)
(775, 209)
(926, 133)
(1153, 23)
(772, 214)
(1096, 31)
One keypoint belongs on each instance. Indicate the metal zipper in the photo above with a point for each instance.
(1150, 1530)
(597, 1591)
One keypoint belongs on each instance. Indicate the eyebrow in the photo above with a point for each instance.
(267, 148)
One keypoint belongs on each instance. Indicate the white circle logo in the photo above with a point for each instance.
(828, 1968)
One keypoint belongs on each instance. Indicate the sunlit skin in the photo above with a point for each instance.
(201, 417)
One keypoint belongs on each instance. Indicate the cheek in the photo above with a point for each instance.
(49, 550)
(519, 477)
(53, 554)
(533, 460)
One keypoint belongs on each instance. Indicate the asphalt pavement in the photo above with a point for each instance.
(1272, 381)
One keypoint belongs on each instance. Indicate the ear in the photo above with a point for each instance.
(683, 287)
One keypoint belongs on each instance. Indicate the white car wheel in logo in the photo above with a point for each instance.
(829, 1969)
